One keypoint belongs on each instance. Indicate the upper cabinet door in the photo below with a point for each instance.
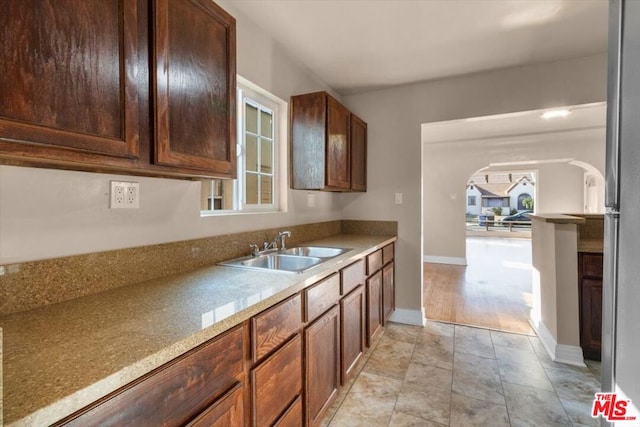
(195, 93)
(358, 154)
(338, 160)
(68, 85)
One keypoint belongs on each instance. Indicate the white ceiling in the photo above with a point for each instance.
(582, 117)
(358, 45)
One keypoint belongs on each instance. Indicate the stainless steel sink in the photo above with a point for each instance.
(293, 260)
(282, 262)
(315, 251)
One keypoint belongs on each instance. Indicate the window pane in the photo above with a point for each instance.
(252, 189)
(251, 119)
(266, 193)
(251, 153)
(266, 124)
(266, 156)
(205, 195)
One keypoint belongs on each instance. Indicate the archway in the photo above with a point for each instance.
(454, 151)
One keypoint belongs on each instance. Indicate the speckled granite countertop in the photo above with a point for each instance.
(61, 357)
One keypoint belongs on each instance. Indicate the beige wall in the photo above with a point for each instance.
(555, 284)
(395, 117)
(49, 213)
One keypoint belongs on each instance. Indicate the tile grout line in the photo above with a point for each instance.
(504, 393)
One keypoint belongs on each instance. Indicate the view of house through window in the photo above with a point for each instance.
(255, 189)
(500, 201)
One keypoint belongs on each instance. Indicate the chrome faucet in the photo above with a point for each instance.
(282, 235)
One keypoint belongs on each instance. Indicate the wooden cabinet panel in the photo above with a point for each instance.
(276, 382)
(358, 154)
(293, 417)
(591, 318)
(227, 411)
(68, 83)
(274, 326)
(323, 156)
(308, 118)
(592, 265)
(374, 306)
(387, 254)
(388, 292)
(322, 365)
(352, 336)
(174, 393)
(338, 162)
(319, 297)
(194, 73)
(374, 262)
(590, 268)
(352, 276)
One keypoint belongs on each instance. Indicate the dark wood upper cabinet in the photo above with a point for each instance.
(358, 154)
(338, 159)
(322, 156)
(69, 78)
(143, 87)
(195, 84)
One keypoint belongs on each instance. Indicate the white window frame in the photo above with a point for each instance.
(247, 91)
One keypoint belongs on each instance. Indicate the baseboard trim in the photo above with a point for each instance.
(569, 354)
(409, 317)
(444, 260)
(561, 353)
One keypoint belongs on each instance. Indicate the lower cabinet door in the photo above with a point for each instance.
(276, 382)
(293, 416)
(374, 306)
(388, 292)
(322, 364)
(227, 411)
(352, 314)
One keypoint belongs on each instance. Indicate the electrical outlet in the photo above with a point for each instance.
(125, 195)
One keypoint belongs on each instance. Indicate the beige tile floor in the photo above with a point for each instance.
(452, 375)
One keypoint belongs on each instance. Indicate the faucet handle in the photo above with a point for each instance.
(255, 250)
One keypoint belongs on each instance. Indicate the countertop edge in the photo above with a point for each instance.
(558, 218)
(79, 399)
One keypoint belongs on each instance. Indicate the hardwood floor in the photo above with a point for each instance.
(492, 291)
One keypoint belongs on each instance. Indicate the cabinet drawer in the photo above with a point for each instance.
(592, 265)
(277, 382)
(227, 411)
(352, 276)
(374, 262)
(387, 254)
(274, 326)
(319, 297)
(175, 392)
(293, 416)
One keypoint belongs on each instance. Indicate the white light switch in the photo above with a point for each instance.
(453, 196)
(398, 198)
(311, 200)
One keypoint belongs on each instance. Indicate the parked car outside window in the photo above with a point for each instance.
(522, 216)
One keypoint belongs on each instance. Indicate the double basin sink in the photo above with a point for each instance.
(293, 260)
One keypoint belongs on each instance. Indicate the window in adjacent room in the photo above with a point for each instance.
(258, 151)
